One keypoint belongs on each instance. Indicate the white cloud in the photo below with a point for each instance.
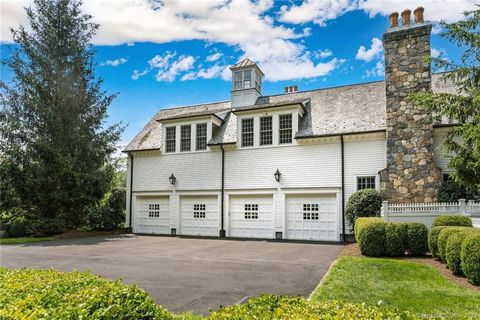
(368, 55)
(136, 74)
(214, 71)
(169, 74)
(321, 54)
(318, 11)
(436, 53)
(115, 63)
(377, 71)
(214, 57)
(161, 62)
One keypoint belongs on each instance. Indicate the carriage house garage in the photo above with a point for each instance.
(283, 166)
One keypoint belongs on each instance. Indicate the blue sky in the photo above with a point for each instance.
(165, 53)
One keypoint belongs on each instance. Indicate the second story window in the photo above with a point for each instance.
(365, 183)
(285, 128)
(170, 139)
(201, 136)
(247, 132)
(185, 138)
(266, 131)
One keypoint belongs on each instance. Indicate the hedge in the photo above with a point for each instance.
(452, 220)
(280, 307)
(361, 223)
(417, 238)
(433, 240)
(453, 249)
(371, 236)
(442, 240)
(470, 257)
(50, 294)
(396, 239)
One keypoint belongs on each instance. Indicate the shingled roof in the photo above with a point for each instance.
(346, 109)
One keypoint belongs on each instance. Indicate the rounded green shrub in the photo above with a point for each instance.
(361, 223)
(49, 294)
(18, 227)
(363, 203)
(417, 238)
(470, 257)
(453, 249)
(372, 239)
(396, 239)
(452, 220)
(442, 240)
(279, 308)
(433, 240)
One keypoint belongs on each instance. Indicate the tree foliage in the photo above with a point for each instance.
(55, 148)
(463, 107)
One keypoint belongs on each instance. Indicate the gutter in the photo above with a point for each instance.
(343, 187)
(222, 209)
(131, 193)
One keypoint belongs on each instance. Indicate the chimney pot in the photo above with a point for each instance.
(393, 20)
(418, 14)
(406, 17)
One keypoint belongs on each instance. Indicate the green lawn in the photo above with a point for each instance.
(22, 240)
(405, 285)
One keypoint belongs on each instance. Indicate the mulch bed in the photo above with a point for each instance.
(353, 250)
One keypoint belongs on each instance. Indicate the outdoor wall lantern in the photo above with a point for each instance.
(277, 175)
(172, 179)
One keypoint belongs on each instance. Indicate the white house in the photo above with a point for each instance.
(283, 166)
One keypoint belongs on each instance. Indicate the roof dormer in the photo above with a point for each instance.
(246, 83)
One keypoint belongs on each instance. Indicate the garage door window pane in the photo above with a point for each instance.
(153, 210)
(310, 211)
(365, 183)
(251, 211)
(199, 211)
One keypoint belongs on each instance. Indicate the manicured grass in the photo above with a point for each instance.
(22, 240)
(404, 285)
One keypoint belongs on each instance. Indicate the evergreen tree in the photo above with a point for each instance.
(463, 142)
(54, 146)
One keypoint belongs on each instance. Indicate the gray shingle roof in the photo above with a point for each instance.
(345, 109)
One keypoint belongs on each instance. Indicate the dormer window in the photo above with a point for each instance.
(247, 132)
(266, 137)
(170, 139)
(201, 136)
(185, 138)
(285, 128)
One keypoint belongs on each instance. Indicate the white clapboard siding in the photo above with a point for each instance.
(194, 171)
(300, 165)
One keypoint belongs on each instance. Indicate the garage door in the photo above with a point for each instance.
(312, 217)
(153, 215)
(200, 216)
(251, 216)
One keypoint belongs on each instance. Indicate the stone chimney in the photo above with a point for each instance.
(411, 174)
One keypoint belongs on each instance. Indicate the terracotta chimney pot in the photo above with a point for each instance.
(406, 17)
(393, 19)
(418, 14)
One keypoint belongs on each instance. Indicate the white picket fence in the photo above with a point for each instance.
(426, 212)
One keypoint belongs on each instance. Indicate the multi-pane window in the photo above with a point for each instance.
(310, 211)
(258, 82)
(185, 138)
(247, 79)
(199, 211)
(153, 210)
(237, 76)
(365, 183)
(170, 139)
(201, 136)
(251, 211)
(265, 131)
(285, 128)
(247, 132)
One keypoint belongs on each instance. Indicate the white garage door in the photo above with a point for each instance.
(153, 215)
(312, 217)
(200, 216)
(251, 216)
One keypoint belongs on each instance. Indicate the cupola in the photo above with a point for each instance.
(246, 83)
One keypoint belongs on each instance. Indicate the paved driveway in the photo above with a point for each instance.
(185, 274)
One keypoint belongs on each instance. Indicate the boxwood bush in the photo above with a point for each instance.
(50, 294)
(370, 235)
(470, 257)
(442, 240)
(452, 220)
(279, 308)
(417, 238)
(396, 239)
(363, 203)
(433, 240)
(453, 249)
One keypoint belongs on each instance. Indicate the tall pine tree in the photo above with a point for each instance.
(54, 145)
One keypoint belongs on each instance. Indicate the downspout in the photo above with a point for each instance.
(343, 187)
(131, 193)
(222, 228)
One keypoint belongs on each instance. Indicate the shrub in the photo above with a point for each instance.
(433, 240)
(363, 203)
(442, 240)
(454, 247)
(396, 239)
(110, 213)
(361, 223)
(18, 227)
(279, 307)
(470, 257)
(371, 236)
(49, 294)
(43, 227)
(417, 238)
(452, 220)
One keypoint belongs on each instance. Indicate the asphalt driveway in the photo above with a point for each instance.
(185, 274)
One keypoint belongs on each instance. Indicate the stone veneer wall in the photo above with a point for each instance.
(411, 174)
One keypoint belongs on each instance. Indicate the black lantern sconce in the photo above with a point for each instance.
(277, 175)
(172, 179)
